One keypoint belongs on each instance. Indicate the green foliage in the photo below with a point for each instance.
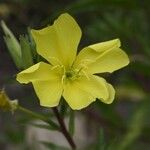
(101, 144)
(43, 126)
(63, 108)
(71, 122)
(134, 129)
(52, 146)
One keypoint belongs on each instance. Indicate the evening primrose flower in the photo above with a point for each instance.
(70, 75)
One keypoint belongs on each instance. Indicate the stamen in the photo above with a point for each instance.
(54, 67)
(62, 80)
(85, 74)
(73, 74)
(64, 69)
(59, 66)
(55, 60)
(80, 70)
(86, 61)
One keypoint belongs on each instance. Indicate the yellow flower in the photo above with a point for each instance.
(68, 74)
(6, 104)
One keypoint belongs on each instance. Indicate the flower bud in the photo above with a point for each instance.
(6, 104)
(12, 45)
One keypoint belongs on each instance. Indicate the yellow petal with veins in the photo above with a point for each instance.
(102, 57)
(49, 92)
(58, 43)
(92, 52)
(81, 92)
(109, 61)
(38, 72)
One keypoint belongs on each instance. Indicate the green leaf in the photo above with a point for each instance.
(100, 141)
(71, 122)
(12, 45)
(135, 127)
(43, 126)
(63, 108)
(27, 60)
(52, 146)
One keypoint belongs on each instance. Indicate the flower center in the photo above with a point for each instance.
(69, 74)
(72, 74)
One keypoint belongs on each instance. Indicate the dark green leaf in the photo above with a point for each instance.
(71, 122)
(100, 141)
(43, 126)
(63, 108)
(52, 146)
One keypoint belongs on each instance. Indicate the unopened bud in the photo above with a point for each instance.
(6, 104)
(12, 45)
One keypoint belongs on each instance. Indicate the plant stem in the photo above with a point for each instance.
(39, 116)
(63, 128)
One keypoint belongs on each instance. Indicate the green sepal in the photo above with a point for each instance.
(32, 45)
(26, 52)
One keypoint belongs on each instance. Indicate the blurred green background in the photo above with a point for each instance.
(123, 125)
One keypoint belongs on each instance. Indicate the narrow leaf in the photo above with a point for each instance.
(71, 122)
(63, 108)
(52, 146)
(101, 141)
(43, 126)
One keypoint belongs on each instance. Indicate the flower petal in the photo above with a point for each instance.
(109, 61)
(102, 57)
(91, 53)
(111, 92)
(81, 92)
(38, 72)
(48, 92)
(58, 43)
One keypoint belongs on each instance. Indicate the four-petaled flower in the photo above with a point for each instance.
(70, 75)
